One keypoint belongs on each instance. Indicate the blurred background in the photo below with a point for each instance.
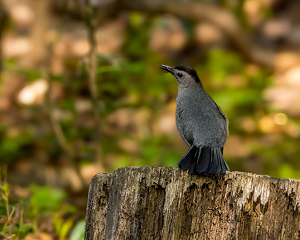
(81, 92)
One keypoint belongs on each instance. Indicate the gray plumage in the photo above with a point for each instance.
(201, 124)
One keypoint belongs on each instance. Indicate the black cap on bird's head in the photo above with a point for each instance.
(179, 71)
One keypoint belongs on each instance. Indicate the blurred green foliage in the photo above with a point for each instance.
(136, 83)
(43, 201)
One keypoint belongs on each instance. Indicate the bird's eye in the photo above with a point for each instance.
(179, 74)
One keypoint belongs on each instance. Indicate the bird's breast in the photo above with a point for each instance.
(199, 121)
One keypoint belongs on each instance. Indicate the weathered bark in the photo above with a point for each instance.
(167, 203)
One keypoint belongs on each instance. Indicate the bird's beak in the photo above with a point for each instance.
(166, 68)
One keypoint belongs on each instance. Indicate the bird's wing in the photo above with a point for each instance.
(219, 111)
(185, 138)
(223, 115)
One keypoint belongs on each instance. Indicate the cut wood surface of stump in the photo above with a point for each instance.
(167, 203)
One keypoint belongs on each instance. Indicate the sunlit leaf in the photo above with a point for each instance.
(78, 231)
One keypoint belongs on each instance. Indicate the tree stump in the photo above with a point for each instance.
(167, 203)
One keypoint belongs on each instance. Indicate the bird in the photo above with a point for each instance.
(201, 124)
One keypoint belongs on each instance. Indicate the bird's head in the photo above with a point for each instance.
(184, 75)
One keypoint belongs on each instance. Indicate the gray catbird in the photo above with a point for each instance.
(201, 124)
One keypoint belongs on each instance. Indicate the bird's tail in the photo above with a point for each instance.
(203, 160)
